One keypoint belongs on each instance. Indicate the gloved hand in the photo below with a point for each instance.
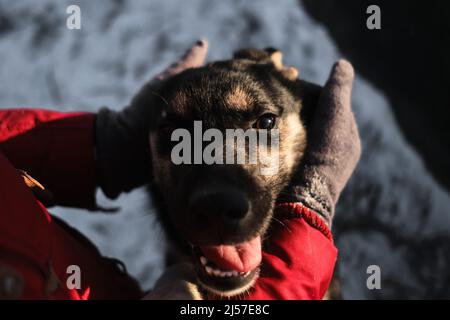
(11, 283)
(178, 282)
(333, 147)
(122, 150)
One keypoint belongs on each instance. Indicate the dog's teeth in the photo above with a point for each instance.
(220, 273)
(209, 270)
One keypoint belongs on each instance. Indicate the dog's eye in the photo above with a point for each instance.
(266, 121)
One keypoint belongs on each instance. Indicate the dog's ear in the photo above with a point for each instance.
(270, 56)
(253, 54)
(276, 57)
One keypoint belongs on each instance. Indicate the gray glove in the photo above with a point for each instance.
(333, 148)
(122, 149)
(11, 283)
(178, 282)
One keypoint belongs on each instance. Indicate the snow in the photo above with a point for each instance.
(392, 213)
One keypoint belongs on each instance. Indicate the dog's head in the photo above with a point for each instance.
(222, 204)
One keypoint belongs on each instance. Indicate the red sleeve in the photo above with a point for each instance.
(298, 259)
(55, 148)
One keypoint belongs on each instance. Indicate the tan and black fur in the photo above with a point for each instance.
(227, 94)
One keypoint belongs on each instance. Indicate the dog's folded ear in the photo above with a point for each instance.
(270, 56)
(276, 56)
(258, 55)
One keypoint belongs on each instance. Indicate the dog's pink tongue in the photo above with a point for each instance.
(242, 257)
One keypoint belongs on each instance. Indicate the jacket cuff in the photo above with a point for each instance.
(293, 210)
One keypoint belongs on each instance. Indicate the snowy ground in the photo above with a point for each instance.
(392, 214)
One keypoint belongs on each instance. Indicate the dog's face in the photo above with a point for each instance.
(223, 209)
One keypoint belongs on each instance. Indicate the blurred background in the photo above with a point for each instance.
(394, 213)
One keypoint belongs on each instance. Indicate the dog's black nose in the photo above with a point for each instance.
(230, 206)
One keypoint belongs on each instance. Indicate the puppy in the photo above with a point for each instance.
(219, 213)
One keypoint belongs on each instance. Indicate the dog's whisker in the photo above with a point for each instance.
(282, 224)
(160, 96)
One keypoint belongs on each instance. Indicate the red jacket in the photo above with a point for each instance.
(57, 149)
